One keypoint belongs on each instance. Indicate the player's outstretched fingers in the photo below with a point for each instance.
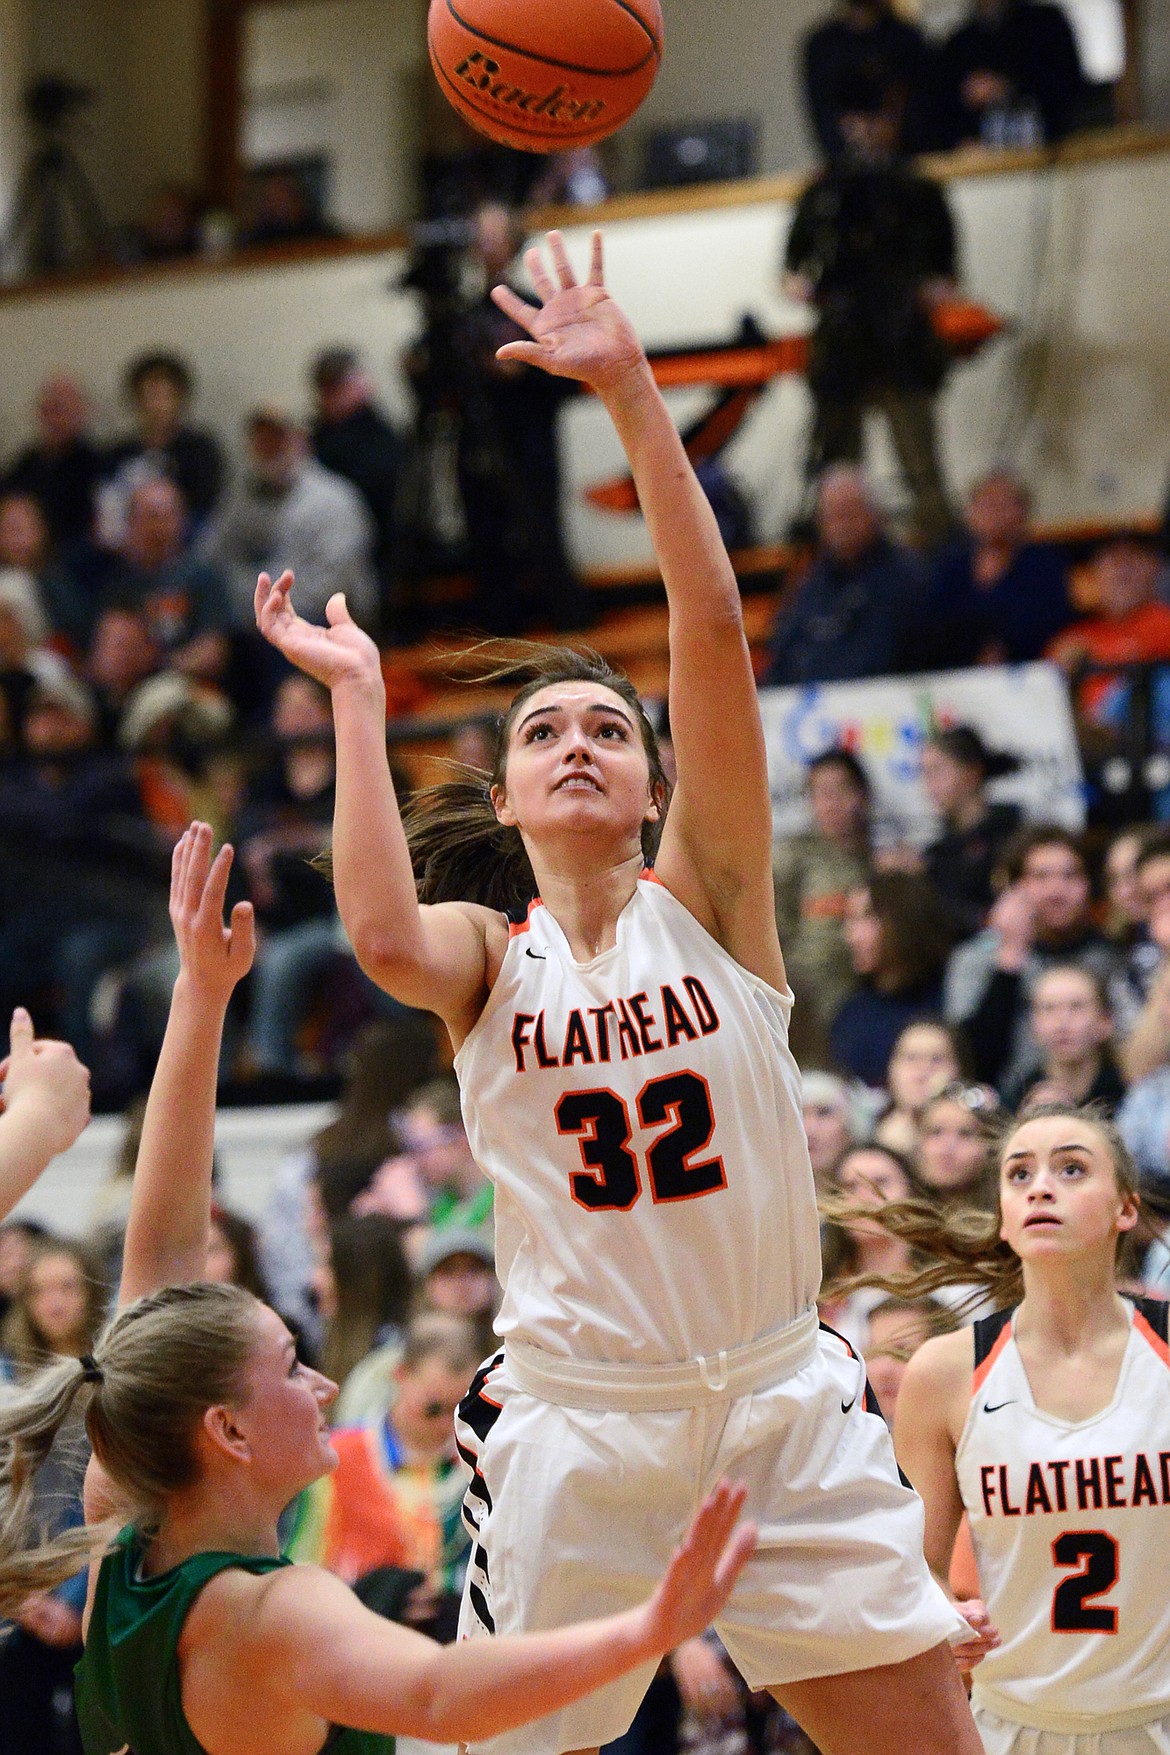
(512, 305)
(242, 948)
(542, 281)
(337, 611)
(560, 256)
(198, 863)
(597, 262)
(214, 889)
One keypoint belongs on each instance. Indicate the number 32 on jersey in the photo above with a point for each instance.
(611, 1179)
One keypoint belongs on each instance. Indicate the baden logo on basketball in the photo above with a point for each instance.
(481, 72)
(543, 75)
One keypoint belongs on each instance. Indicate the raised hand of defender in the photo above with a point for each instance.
(44, 1080)
(212, 956)
(579, 331)
(338, 653)
(705, 1566)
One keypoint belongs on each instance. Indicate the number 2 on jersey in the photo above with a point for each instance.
(1095, 1553)
(611, 1180)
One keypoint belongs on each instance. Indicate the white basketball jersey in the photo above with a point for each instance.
(1071, 1525)
(640, 1117)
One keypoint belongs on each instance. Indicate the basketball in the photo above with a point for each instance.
(543, 75)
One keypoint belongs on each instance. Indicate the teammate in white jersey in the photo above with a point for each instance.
(1049, 1425)
(622, 1052)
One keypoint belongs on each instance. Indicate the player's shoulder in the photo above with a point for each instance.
(942, 1366)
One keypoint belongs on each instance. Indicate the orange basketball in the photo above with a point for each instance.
(545, 74)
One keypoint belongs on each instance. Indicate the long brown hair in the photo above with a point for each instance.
(961, 1246)
(459, 849)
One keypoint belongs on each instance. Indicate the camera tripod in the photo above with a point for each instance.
(56, 218)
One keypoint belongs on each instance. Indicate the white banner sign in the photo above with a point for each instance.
(1022, 710)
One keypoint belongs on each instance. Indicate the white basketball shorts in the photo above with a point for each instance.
(575, 1514)
(1002, 1737)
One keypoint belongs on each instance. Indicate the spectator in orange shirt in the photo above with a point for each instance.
(1132, 626)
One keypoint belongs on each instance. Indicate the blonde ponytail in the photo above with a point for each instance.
(30, 1420)
(158, 1367)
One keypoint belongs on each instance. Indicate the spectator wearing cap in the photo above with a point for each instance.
(1042, 918)
(75, 862)
(160, 388)
(956, 766)
(288, 510)
(62, 467)
(457, 1275)
(354, 438)
(182, 594)
(996, 596)
(860, 606)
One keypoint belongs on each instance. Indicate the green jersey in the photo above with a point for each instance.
(128, 1693)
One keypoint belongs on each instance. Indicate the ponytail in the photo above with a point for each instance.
(159, 1366)
(460, 850)
(30, 1420)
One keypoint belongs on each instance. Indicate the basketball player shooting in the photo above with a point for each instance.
(610, 977)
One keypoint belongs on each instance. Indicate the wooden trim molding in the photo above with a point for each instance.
(1135, 141)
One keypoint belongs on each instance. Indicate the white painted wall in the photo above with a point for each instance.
(1076, 257)
(364, 58)
(250, 1145)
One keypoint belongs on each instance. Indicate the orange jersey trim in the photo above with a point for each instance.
(1154, 1338)
(516, 928)
(981, 1373)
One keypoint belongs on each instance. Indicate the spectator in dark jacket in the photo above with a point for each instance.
(996, 597)
(183, 595)
(873, 247)
(956, 766)
(899, 934)
(1043, 918)
(352, 437)
(866, 37)
(159, 387)
(62, 468)
(854, 613)
(1010, 76)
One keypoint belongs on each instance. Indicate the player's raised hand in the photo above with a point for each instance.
(704, 1568)
(212, 956)
(44, 1080)
(579, 331)
(338, 653)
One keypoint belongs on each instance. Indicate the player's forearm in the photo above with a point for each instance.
(372, 873)
(480, 1688)
(695, 569)
(170, 1210)
(26, 1147)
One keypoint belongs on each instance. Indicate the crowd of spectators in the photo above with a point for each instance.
(1008, 74)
